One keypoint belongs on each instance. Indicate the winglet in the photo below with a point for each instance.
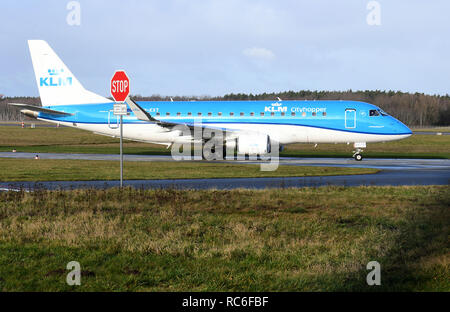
(140, 113)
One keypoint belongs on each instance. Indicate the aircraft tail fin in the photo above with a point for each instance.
(56, 83)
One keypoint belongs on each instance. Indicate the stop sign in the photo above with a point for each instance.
(120, 86)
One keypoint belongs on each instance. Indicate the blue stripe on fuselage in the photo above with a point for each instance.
(334, 117)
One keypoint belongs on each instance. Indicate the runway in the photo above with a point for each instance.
(393, 172)
(377, 163)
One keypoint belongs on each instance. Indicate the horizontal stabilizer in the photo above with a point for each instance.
(40, 109)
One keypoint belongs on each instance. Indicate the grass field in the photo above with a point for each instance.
(432, 129)
(309, 239)
(70, 140)
(416, 146)
(72, 170)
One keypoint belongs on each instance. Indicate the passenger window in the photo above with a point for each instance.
(292, 114)
(209, 114)
(157, 114)
(272, 114)
(189, 114)
(324, 113)
(199, 114)
(178, 114)
(283, 114)
(219, 114)
(314, 114)
(262, 114)
(252, 114)
(167, 114)
(304, 114)
(231, 114)
(242, 114)
(373, 112)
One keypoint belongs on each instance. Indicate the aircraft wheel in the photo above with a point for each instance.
(358, 157)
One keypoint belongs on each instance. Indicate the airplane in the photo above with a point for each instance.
(252, 127)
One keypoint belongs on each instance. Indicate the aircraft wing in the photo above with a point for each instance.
(143, 115)
(140, 113)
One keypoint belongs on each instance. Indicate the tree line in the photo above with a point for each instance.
(414, 109)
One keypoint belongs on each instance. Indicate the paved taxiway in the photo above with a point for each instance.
(393, 172)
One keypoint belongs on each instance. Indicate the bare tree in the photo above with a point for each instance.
(416, 109)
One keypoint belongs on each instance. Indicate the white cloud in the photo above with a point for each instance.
(259, 53)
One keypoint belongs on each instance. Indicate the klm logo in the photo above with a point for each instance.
(55, 72)
(275, 107)
(55, 79)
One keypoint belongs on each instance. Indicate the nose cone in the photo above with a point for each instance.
(400, 128)
(406, 130)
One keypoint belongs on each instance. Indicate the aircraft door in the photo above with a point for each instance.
(113, 120)
(350, 118)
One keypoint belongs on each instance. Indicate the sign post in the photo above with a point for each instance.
(120, 88)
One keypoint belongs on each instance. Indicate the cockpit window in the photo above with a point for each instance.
(383, 113)
(374, 112)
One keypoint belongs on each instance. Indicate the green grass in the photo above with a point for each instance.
(70, 140)
(432, 129)
(416, 146)
(308, 239)
(72, 170)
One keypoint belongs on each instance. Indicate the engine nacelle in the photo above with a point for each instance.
(253, 144)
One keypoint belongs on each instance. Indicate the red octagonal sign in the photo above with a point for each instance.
(120, 86)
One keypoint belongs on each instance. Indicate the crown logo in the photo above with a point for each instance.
(55, 72)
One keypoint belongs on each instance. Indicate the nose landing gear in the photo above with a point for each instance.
(357, 154)
(358, 150)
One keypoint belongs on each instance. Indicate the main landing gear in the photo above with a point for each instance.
(357, 154)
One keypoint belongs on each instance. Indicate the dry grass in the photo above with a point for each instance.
(280, 239)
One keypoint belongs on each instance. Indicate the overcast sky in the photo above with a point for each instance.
(214, 47)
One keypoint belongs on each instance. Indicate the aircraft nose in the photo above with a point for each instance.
(401, 129)
(406, 130)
